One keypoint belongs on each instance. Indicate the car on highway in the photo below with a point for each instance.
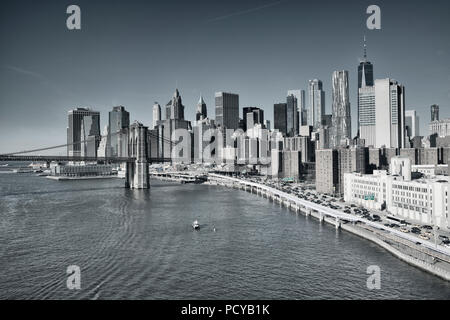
(424, 237)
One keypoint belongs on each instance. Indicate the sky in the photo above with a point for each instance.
(133, 53)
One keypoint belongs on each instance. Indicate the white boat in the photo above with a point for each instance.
(121, 173)
(23, 170)
(195, 225)
(4, 165)
(36, 166)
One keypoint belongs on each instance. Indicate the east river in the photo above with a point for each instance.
(139, 244)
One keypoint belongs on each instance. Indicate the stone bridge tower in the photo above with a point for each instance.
(137, 176)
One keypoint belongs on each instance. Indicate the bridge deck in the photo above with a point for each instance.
(67, 158)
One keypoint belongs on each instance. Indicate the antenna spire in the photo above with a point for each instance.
(365, 48)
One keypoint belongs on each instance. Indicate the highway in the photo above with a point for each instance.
(338, 214)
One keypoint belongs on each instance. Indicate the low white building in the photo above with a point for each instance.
(422, 200)
(366, 190)
(430, 170)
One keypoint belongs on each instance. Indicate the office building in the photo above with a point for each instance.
(156, 114)
(424, 200)
(252, 116)
(365, 79)
(175, 107)
(280, 117)
(291, 116)
(316, 103)
(434, 112)
(440, 127)
(366, 105)
(301, 106)
(227, 110)
(118, 123)
(327, 171)
(165, 128)
(202, 112)
(411, 124)
(389, 114)
(78, 126)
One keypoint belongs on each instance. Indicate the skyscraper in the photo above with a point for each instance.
(291, 116)
(411, 123)
(227, 110)
(258, 116)
(119, 119)
(165, 128)
(201, 110)
(316, 103)
(77, 127)
(175, 108)
(389, 114)
(280, 117)
(366, 114)
(341, 119)
(365, 78)
(252, 116)
(434, 112)
(156, 114)
(301, 106)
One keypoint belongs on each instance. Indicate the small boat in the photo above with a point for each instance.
(195, 225)
(23, 170)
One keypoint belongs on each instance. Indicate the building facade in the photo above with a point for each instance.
(118, 123)
(341, 117)
(227, 110)
(78, 126)
(280, 117)
(389, 114)
(316, 103)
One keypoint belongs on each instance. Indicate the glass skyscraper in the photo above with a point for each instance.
(291, 116)
(280, 117)
(227, 110)
(316, 103)
(341, 118)
(365, 79)
(78, 128)
(119, 119)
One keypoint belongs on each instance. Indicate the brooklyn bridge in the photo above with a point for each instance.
(137, 161)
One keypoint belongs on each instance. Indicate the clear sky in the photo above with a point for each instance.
(133, 53)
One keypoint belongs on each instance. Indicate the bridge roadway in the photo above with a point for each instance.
(67, 158)
(337, 214)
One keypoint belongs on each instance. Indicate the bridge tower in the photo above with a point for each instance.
(137, 176)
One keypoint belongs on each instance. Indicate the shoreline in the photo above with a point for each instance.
(418, 258)
(60, 178)
(429, 263)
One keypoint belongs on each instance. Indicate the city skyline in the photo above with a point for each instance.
(58, 76)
